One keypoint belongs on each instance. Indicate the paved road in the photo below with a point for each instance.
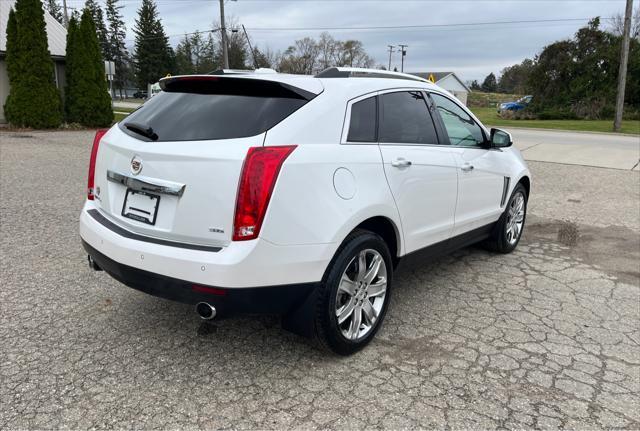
(605, 150)
(545, 337)
(124, 104)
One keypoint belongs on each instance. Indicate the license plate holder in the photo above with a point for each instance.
(141, 206)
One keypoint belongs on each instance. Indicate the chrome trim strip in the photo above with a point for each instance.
(146, 184)
(505, 190)
(95, 214)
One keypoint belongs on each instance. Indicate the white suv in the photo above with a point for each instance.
(296, 195)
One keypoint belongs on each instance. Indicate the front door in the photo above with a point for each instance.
(482, 177)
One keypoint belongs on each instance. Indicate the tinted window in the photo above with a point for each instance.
(406, 119)
(362, 127)
(461, 128)
(196, 116)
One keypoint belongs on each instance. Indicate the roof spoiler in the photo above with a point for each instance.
(240, 84)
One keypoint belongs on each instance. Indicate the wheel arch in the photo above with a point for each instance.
(526, 183)
(387, 230)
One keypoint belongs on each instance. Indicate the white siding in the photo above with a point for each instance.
(452, 85)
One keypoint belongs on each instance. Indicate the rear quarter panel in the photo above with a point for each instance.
(306, 208)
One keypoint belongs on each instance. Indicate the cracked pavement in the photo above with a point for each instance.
(546, 337)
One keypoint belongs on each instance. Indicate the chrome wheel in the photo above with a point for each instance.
(361, 294)
(515, 218)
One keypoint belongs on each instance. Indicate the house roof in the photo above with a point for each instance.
(56, 33)
(439, 76)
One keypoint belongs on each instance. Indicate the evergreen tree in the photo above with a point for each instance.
(12, 35)
(101, 29)
(71, 111)
(34, 100)
(490, 84)
(475, 86)
(195, 54)
(54, 10)
(184, 57)
(88, 101)
(117, 51)
(153, 56)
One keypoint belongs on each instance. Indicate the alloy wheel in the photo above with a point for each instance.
(515, 218)
(361, 294)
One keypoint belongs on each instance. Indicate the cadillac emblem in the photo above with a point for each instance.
(136, 165)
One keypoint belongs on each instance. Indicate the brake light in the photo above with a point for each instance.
(92, 162)
(258, 177)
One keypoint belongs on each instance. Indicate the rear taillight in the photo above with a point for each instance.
(92, 162)
(259, 174)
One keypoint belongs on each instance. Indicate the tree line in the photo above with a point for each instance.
(153, 56)
(34, 100)
(577, 77)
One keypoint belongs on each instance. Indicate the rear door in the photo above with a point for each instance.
(421, 173)
(482, 175)
(171, 168)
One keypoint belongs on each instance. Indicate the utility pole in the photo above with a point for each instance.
(622, 74)
(403, 53)
(223, 29)
(253, 53)
(390, 52)
(66, 14)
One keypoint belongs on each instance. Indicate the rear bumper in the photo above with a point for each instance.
(240, 265)
(283, 299)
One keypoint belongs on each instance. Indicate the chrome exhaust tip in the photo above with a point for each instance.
(205, 311)
(92, 264)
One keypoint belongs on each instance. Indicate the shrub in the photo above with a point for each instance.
(87, 100)
(33, 101)
(556, 114)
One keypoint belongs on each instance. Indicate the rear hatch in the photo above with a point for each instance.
(171, 168)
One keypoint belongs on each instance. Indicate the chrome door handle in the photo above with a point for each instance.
(467, 167)
(400, 163)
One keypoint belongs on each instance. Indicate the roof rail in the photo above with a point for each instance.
(230, 72)
(358, 72)
(260, 71)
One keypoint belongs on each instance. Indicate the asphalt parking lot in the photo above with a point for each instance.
(547, 337)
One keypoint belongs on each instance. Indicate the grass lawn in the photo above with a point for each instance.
(117, 116)
(489, 117)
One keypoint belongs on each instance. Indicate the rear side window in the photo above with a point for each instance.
(405, 119)
(362, 127)
(192, 116)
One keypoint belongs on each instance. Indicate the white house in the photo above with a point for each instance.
(57, 38)
(449, 81)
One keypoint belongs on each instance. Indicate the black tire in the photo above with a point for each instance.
(499, 241)
(328, 331)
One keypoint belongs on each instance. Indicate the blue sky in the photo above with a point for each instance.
(470, 51)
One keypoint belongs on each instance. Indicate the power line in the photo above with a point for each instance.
(395, 27)
(418, 26)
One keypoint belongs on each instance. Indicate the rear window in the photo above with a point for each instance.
(202, 114)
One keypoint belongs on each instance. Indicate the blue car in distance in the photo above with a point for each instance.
(518, 105)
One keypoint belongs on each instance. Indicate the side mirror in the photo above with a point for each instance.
(500, 138)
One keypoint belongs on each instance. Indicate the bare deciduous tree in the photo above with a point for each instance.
(617, 24)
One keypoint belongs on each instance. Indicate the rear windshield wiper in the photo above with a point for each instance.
(142, 129)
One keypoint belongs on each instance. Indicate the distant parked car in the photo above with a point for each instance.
(140, 95)
(518, 105)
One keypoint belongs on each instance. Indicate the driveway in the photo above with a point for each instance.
(546, 337)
